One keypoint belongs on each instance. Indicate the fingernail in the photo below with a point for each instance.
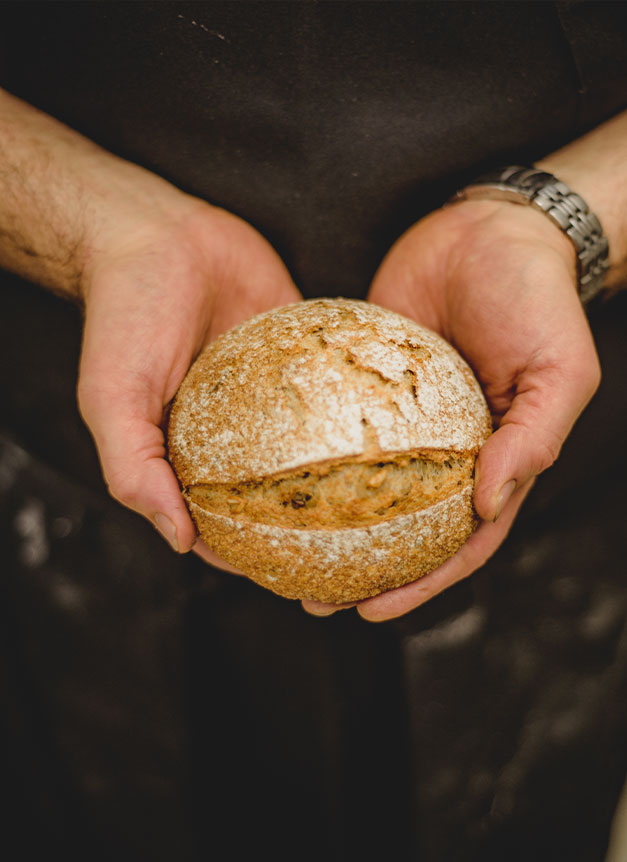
(503, 496)
(321, 611)
(167, 530)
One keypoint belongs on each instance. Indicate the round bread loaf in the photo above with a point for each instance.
(327, 449)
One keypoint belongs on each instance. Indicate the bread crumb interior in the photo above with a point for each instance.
(345, 494)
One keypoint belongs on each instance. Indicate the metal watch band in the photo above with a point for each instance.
(567, 210)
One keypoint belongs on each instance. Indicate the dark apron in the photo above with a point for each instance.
(156, 709)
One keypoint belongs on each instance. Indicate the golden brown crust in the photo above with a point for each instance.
(320, 380)
(307, 401)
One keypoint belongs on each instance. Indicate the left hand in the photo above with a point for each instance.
(497, 281)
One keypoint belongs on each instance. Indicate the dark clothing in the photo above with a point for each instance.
(157, 709)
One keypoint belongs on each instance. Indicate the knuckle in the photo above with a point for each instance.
(123, 488)
(92, 399)
(594, 377)
(548, 452)
(587, 371)
(85, 395)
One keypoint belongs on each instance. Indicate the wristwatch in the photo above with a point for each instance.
(568, 211)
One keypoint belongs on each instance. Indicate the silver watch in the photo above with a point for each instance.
(569, 212)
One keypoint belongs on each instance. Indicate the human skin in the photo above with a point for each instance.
(160, 274)
(498, 280)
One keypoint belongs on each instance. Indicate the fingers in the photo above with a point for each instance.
(547, 403)
(131, 447)
(468, 559)
(324, 609)
(205, 553)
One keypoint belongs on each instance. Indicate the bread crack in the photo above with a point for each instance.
(347, 493)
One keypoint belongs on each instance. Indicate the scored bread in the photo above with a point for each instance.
(327, 449)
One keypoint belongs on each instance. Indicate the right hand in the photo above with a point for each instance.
(156, 291)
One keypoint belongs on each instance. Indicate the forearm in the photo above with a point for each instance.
(595, 166)
(62, 197)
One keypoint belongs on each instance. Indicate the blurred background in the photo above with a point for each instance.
(152, 708)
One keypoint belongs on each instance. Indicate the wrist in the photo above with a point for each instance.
(502, 222)
(465, 246)
(131, 209)
(560, 206)
(65, 202)
(605, 203)
(594, 165)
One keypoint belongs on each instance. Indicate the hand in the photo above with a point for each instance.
(497, 280)
(156, 291)
(160, 274)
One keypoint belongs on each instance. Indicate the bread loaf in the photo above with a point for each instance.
(327, 449)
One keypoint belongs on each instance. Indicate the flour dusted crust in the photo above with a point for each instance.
(342, 565)
(322, 404)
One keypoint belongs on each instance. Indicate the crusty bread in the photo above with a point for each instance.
(327, 449)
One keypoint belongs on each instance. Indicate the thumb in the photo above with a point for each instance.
(124, 422)
(547, 403)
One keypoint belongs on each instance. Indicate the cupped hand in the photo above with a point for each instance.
(156, 291)
(498, 281)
